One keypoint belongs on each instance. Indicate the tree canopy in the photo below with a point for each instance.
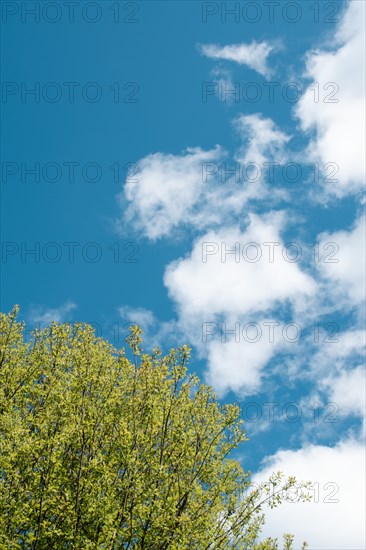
(99, 451)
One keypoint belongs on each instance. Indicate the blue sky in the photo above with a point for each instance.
(138, 110)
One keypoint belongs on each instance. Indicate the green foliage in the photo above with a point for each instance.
(98, 452)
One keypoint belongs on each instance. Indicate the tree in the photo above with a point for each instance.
(99, 451)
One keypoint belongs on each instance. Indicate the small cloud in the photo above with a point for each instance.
(166, 193)
(252, 55)
(140, 316)
(264, 141)
(44, 316)
(156, 333)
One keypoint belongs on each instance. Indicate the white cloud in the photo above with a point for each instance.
(138, 316)
(197, 188)
(222, 285)
(339, 374)
(156, 333)
(324, 524)
(239, 365)
(227, 91)
(331, 363)
(345, 269)
(339, 126)
(347, 352)
(264, 142)
(231, 287)
(254, 55)
(165, 190)
(348, 391)
(45, 316)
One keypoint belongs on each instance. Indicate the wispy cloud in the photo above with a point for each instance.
(45, 316)
(192, 189)
(263, 140)
(156, 333)
(254, 55)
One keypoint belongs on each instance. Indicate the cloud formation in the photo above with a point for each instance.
(344, 268)
(333, 108)
(201, 189)
(45, 316)
(338, 475)
(166, 190)
(253, 55)
(233, 276)
(263, 140)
